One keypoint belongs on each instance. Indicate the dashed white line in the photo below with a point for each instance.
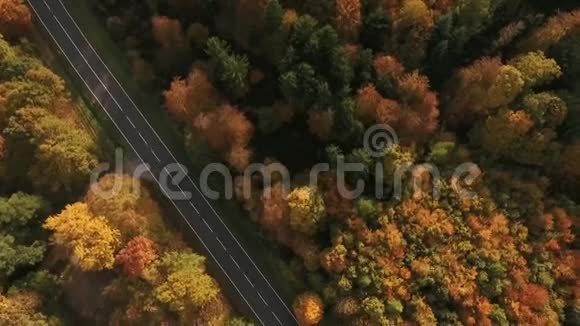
(195, 208)
(273, 314)
(175, 159)
(143, 138)
(209, 227)
(222, 244)
(131, 122)
(235, 262)
(157, 157)
(264, 301)
(139, 112)
(248, 279)
(120, 130)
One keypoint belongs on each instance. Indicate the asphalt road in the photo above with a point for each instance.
(252, 288)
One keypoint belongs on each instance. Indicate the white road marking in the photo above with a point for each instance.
(221, 243)
(185, 195)
(137, 153)
(191, 180)
(143, 138)
(277, 318)
(235, 262)
(85, 59)
(164, 145)
(157, 157)
(248, 279)
(131, 122)
(175, 159)
(195, 208)
(209, 227)
(264, 301)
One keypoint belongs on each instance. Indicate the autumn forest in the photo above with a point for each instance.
(493, 83)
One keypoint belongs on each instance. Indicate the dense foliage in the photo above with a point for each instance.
(68, 253)
(492, 82)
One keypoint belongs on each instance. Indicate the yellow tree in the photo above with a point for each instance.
(413, 24)
(22, 309)
(423, 314)
(502, 133)
(546, 108)
(536, 69)
(334, 259)
(127, 205)
(48, 86)
(37, 87)
(306, 210)
(308, 308)
(184, 285)
(64, 153)
(506, 87)
(347, 307)
(90, 239)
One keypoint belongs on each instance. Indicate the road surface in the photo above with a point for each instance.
(252, 288)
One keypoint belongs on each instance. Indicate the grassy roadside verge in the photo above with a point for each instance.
(82, 105)
(119, 64)
(267, 257)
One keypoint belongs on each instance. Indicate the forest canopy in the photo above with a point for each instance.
(68, 255)
(490, 82)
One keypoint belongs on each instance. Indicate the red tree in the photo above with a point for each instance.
(167, 31)
(227, 130)
(137, 254)
(419, 108)
(15, 18)
(185, 99)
